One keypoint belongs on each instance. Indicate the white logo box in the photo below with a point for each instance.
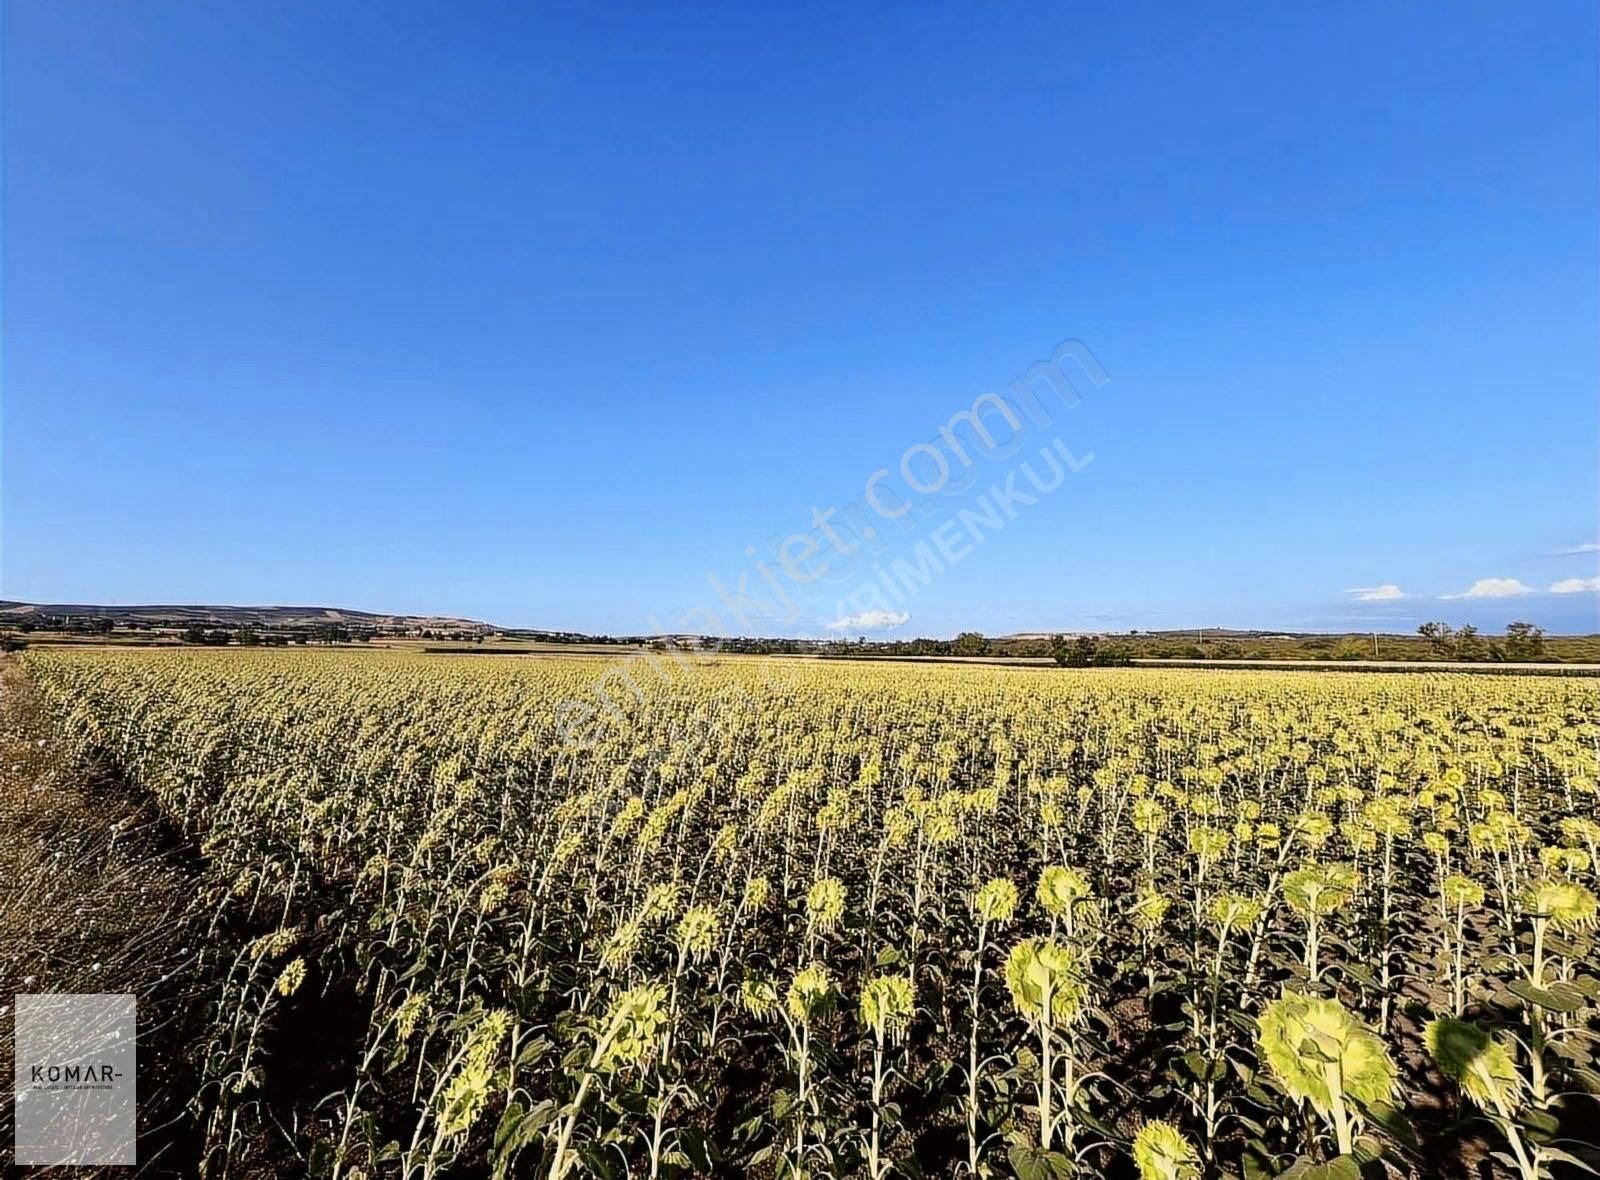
(75, 1082)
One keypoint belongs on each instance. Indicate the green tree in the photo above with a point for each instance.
(1084, 648)
(1112, 655)
(971, 643)
(1439, 638)
(1060, 650)
(1469, 644)
(1524, 642)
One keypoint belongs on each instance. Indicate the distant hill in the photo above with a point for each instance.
(233, 616)
(1189, 633)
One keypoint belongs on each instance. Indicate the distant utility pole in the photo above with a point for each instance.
(1374, 645)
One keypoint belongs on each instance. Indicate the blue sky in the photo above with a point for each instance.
(544, 316)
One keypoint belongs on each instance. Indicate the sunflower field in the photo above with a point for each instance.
(791, 918)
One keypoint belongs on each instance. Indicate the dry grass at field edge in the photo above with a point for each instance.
(96, 886)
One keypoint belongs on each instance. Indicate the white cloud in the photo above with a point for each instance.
(1493, 588)
(1388, 592)
(1574, 550)
(871, 620)
(1576, 586)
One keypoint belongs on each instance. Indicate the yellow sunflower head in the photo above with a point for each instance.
(1476, 1061)
(995, 901)
(633, 1025)
(697, 931)
(1462, 891)
(1568, 905)
(1149, 908)
(757, 891)
(1312, 1044)
(825, 903)
(887, 1002)
(1233, 911)
(1161, 1152)
(759, 997)
(810, 992)
(1041, 972)
(1060, 888)
(1319, 889)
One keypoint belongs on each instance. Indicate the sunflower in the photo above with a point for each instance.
(995, 901)
(887, 1002)
(1462, 891)
(1566, 904)
(759, 997)
(757, 891)
(1060, 888)
(810, 992)
(1312, 1045)
(1476, 1061)
(697, 931)
(825, 903)
(1233, 911)
(1149, 908)
(1161, 1152)
(1040, 970)
(1319, 888)
(632, 1027)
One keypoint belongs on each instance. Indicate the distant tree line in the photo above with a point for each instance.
(324, 633)
(71, 624)
(243, 636)
(1523, 643)
(1085, 651)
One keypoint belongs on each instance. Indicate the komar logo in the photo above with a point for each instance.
(78, 1076)
(75, 1080)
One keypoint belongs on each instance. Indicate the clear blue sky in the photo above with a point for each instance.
(542, 316)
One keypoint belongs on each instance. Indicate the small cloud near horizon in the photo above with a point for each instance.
(871, 620)
(1388, 592)
(1576, 550)
(1493, 588)
(1576, 586)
